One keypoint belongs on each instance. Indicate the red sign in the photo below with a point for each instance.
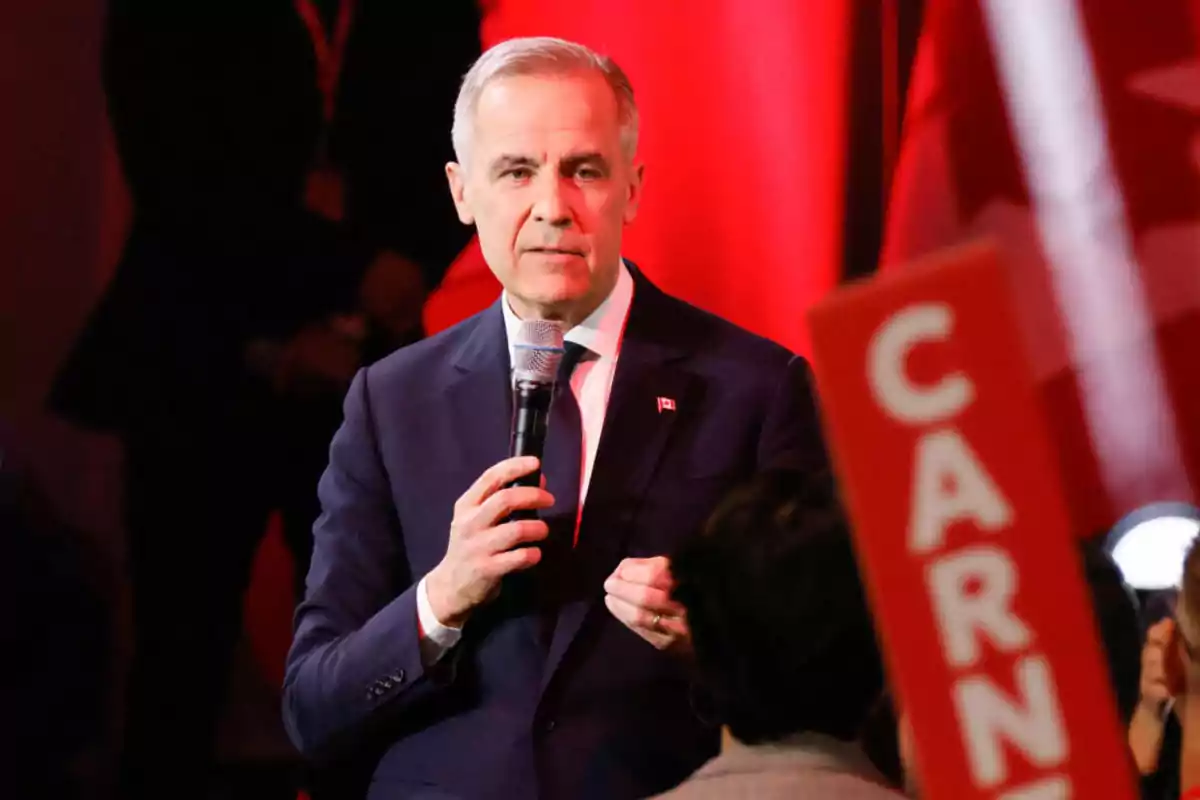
(963, 535)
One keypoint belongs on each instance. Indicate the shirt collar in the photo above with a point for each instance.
(601, 331)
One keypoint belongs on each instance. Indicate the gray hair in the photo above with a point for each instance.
(541, 55)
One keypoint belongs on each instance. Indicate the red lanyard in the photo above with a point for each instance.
(329, 53)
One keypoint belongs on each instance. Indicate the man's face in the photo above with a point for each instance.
(549, 190)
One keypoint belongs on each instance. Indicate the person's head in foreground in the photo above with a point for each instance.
(545, 133)
(784, 641)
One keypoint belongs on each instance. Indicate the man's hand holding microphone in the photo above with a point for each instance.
(483, 546)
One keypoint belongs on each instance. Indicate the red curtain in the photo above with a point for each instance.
(743, 109)
(1067, 133)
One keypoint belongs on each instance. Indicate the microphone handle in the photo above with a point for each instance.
(531, 415)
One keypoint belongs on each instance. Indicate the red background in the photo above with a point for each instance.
(744, 124)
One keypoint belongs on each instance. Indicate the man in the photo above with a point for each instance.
(784, 644)
(426, 629)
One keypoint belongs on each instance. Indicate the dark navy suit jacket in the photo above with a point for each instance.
(601, 714)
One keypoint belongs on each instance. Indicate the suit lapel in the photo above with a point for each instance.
(480, 398)
(635, 433)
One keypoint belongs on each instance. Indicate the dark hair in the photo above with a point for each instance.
(782, 632)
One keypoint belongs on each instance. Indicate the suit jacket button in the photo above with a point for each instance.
(550, 726)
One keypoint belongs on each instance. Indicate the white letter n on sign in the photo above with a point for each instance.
(972, 592)
(1031, 722)
(950, 484)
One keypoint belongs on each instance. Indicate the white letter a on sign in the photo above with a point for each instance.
(950, 485)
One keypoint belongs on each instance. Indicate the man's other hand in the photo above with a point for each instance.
(638, 593)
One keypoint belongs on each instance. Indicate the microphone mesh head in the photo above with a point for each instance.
(538, 350)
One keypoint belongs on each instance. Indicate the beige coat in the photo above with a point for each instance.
(808, 766)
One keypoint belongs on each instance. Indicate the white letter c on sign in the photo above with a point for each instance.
(886, 355)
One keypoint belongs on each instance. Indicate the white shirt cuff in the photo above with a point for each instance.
(437, 638)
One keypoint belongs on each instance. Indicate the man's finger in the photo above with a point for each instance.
(654, 600)
(510, 534)
(642, 622)
(635, 617)
(677, 627)
(514, 498)
(647, 571)
(495, 478)
(508, 561)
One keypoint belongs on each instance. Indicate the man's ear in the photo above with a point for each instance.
(457, 178)
(634, 198)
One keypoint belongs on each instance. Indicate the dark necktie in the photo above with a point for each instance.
(562, 462)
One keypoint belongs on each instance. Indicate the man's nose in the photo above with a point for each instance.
(552, 206)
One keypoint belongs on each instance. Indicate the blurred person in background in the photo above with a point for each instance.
(285, 165)
(784, 645)
(1170, 676)
(1155, 732)
(59, 648)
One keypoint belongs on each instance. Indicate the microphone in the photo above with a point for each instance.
(537, 353)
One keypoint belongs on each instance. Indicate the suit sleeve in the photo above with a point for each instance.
(355, 657)
(791, 435)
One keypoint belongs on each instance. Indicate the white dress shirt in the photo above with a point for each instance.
(591, 383)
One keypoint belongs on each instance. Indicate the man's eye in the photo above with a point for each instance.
(519, 173)
(589, 174)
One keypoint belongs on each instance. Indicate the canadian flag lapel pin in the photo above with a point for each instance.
(666, 404)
